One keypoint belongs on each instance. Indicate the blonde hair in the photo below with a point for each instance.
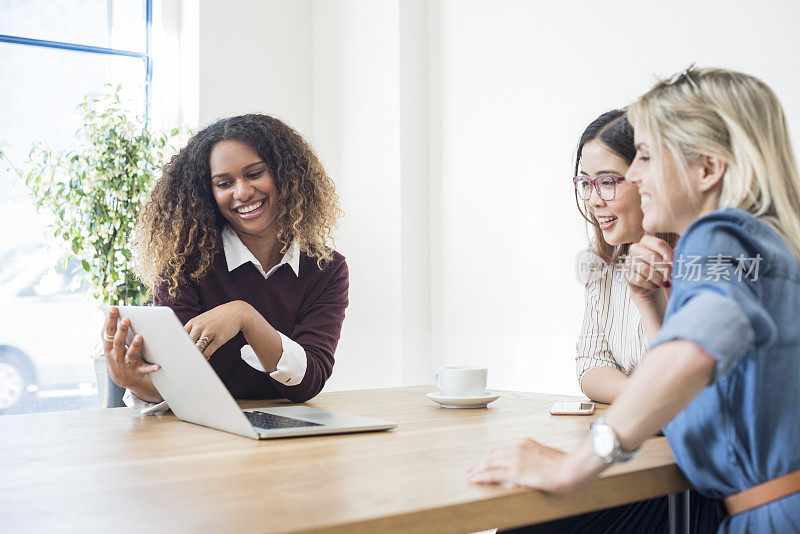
(737, 118)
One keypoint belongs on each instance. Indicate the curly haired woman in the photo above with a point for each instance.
(235, 239)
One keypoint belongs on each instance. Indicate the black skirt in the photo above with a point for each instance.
(650, 516)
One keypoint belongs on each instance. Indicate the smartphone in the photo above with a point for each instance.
(572, 408)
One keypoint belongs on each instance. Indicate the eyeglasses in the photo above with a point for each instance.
(605, 185)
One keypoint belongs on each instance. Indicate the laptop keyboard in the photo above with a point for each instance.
(270, 421)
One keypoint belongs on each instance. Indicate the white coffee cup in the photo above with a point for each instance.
(461, 381)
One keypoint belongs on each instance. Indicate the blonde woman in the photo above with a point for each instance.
(235, 239)
(715, 165)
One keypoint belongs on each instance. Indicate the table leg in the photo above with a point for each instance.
(678, 509)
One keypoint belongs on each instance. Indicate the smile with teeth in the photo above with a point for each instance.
(606, 220)
(249, 208)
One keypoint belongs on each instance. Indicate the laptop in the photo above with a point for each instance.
(196, 394)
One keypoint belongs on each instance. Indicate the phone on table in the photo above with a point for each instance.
(572, 408)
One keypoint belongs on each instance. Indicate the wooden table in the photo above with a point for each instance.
(112, 471)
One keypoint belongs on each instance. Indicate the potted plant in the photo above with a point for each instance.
(93, 194)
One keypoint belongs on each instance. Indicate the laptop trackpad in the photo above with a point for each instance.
(270, 421)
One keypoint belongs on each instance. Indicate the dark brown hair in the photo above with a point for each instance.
(613, 130)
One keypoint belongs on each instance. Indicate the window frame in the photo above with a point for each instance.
(145, 56)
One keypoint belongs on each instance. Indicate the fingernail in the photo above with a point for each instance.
(137, 339)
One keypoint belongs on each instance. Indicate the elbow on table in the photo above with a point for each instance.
(301, 395)
(587, 390)
(306, 390)
(318, 369)
(598, 386)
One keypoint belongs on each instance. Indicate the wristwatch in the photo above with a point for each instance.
(606, 445)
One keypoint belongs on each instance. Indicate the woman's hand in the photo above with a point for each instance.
(214, 328)
(526, 463)
(649, 267)
(126, 368)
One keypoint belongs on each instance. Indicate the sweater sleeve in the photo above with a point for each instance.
(592, 349)
(186, 304)
(317, 331)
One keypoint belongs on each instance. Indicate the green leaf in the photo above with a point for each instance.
(94, 190)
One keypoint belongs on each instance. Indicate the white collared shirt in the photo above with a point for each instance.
(291, 367)
(237, 254)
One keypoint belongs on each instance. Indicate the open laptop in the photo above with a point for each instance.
(195, 393)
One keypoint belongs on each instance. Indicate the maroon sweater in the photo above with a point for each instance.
(308, 308)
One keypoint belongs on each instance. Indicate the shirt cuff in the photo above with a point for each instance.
(716, 323)
(132, 400)
(291, 367)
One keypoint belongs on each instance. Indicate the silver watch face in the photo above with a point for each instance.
(603, 442)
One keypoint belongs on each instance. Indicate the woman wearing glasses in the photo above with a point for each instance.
(714, 164)
(626, 297)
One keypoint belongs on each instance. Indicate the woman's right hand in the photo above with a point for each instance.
(125, 367)
(649, 268)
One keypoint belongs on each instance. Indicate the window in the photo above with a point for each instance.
(52, 53)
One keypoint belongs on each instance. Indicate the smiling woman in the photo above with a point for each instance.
(236, 239)
(621, 313)
(245, 193)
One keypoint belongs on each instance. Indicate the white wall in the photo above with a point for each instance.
(214, 59)
(449, 128)
(356, 119)
(518, 81)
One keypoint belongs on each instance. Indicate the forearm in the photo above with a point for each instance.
(652, 310)
(603, 384)
(667, 380)
(580, 467)
(262, 337)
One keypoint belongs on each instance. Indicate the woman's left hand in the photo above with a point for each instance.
(526, 463)
(217, 325)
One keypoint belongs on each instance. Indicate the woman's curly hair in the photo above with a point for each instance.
(178, 232)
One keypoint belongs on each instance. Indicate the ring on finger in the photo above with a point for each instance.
(108, 337)
(130, 360)
(202, 343)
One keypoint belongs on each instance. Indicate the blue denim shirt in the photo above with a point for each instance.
(736, 293)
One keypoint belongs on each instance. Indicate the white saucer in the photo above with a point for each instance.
(463, 402)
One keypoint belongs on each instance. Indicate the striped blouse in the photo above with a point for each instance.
(612, 333)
